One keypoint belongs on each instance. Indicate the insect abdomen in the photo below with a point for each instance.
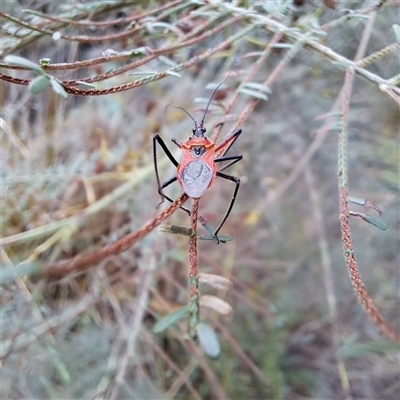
(196, 177)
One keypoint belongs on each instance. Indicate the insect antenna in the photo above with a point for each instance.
(184, 109)
(208, 105)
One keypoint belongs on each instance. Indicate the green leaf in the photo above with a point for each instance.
(44, 61)
(258, 86)
(253, 93)
(23, 62)
(210, 229)
(374, 221)
(396, 29)
(356, 200)
(170, 319)
(39, 84)
(173, 73)
(85, 84)
(370, 219)
(167, 61)
(58, 88)
(282, 46)
(208, 340)
(221, 238)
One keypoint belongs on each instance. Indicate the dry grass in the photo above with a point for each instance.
(85, 165)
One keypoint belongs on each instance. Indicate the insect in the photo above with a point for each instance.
(197, 170)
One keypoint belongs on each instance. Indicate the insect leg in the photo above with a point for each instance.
(157, 138)
(237, 181)
(235, 159)
(164, 196)
(229, 139)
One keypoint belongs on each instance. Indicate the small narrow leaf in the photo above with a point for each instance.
(44, 61)
(335, 126)
(85, 84)
(167, 61)
(356, 200)
(216, 304)
(210, 229)
(365, 203)
(319, 32)
(201, 100)
(358, 15)
(258, 86)
(39, 84)
(213, 86)
(253, 93)
(23, 62)
(58, 88)
(56, 36)
(208, 340)
(340, 64)
(170, 319)
(282, 46)
(216, 281)
(396, 29)
(370, 219)
(176, 230)
(221, 238)
(173, 73)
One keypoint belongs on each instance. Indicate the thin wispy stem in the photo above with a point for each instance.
(348, 251)
(194, 308)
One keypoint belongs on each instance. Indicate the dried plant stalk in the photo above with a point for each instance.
(81, 263)
(194, 308)
(366, 302)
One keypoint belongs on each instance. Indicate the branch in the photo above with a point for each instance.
(194, 308)
(81, 263)
(368, 306)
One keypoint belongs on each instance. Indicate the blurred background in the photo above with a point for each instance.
(88, 334)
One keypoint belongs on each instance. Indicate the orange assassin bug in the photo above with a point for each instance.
(197, 170)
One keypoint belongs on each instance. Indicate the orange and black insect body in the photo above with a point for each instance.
(197, 170)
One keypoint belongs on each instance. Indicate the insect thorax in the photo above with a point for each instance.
(197, 150)
(195, 178)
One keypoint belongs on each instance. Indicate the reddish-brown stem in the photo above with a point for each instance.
(368, 306)
(194, 308)
(81, 263)
(113, 21)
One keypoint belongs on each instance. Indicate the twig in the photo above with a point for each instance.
(310, 43)
(368, 306)
(133, 17)
(91, 39)
(194, 308)
(81, 263)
